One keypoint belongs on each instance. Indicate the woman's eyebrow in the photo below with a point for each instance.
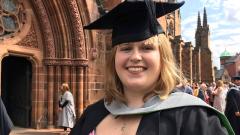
(147, 43)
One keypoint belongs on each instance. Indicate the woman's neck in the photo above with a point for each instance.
(134, 99)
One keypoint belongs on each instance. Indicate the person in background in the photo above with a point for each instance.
(202, 94)
(195, 88)
(67, 114)
(232, 110)
(219, 96)
(141, 74)
(184, 87)
(210, 92)
(6, 124)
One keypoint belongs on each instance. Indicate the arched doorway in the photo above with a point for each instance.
(16, 80)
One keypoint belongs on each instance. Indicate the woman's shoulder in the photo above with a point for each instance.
(67, 93)
(186, 102)
(91, 116)
(189, 109)
(195, 120)
(221, 88)
(180, 99)
(96, 107)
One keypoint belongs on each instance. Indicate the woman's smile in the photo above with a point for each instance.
(136, 69)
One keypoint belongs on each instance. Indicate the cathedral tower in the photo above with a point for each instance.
(202, 55)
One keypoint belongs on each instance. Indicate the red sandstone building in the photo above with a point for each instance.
(42, 44)
(231, 63)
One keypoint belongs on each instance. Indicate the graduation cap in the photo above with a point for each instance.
(236, 78)
(134, 20)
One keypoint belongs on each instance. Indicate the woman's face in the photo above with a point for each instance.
(62, 89)
(138, 65)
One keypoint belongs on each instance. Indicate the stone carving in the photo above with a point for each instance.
(45, 25)
(30, 40)
(68, 62)
(77, 27)
(93, 53)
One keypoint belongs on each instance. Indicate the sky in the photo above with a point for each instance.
(224, 23)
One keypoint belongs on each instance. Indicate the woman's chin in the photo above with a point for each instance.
(137, 86)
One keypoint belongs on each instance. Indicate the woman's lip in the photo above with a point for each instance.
(136, 69)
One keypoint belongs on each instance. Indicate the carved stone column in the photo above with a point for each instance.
(80, 92)
(50, 87)
(85, 88)
(66, 74)
(57, 84)
(73, 84)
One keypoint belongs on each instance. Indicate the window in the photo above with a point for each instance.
(11, 17)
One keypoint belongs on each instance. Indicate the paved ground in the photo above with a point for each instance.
(28, 131)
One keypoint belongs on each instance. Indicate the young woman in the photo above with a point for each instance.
(66, 118)
(141, 75)
(220, 96)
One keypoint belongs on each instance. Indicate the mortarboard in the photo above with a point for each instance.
(236, 78)
(134, 20)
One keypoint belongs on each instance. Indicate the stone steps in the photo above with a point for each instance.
(30, 131)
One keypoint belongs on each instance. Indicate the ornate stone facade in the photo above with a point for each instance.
(53, 41)
(30, 40)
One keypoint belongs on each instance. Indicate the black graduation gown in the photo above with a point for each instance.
(189, 120)
(5, 122)
(232, 106)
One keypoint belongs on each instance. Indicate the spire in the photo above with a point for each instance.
(199, 20)
(205, 18)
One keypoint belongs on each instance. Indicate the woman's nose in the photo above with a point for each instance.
(136, 56)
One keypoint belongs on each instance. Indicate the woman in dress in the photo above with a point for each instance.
(219, 93)
(66, 108)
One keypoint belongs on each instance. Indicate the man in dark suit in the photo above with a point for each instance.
(5, 122)
(233, 105)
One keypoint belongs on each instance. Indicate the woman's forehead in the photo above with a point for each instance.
(149, 41)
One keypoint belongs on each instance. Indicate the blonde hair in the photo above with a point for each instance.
(220, 83)
(65, 86)
(170, 74)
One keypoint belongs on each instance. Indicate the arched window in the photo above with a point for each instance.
(12, 17)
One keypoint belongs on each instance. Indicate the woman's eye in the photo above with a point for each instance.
(147, 47)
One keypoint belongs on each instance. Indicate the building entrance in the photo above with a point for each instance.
(16, 80)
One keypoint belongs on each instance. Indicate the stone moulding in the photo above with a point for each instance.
(77, 27)
(68, 62)
(45, 25)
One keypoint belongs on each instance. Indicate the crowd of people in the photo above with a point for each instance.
(223, 96)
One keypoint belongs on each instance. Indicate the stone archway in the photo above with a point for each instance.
(16, 89)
